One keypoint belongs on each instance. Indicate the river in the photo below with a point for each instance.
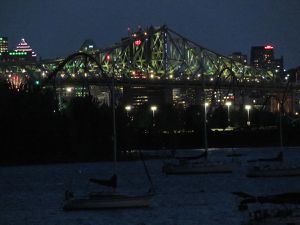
(33, 195)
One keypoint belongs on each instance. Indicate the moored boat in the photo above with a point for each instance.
(100, 200)
(273, 171)
(108, 200)
(198, 168)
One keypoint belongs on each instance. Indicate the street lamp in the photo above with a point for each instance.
(248, 107)
(153, 109)
(228, 116)
(206, 104)
(128, 109)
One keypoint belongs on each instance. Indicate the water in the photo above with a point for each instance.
(33, 195)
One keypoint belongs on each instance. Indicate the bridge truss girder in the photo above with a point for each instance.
(160, 53)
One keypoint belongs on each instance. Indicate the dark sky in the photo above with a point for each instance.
(58, 27)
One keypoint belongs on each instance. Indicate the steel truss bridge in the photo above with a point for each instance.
(154, 57)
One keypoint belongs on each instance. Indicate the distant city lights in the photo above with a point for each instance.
(107, 57)
(137, 42)
(268, 47)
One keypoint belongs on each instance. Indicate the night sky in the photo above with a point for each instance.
(56, 28)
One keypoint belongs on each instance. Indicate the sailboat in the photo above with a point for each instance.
(283, 198)
(112, 199)
(192, 166)
(283, 208)
(279, 170)
(234, 153)
(278, 158)
(279, 217)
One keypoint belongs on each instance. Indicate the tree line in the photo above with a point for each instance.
(34, 130)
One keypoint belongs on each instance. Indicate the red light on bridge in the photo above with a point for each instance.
(107, 57)
(137, 42)
(269, 47)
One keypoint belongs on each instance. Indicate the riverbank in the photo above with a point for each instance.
(45, 151)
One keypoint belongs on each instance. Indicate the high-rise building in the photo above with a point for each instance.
(262, 57)
(24, 47)
(22, 52)
(3, 44)
(239, 57)
(88, 45)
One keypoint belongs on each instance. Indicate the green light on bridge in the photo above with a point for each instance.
(37, 82)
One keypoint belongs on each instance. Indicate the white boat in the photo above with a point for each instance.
(282, 209)
(100, 200)
(278, 158)
(113, 199)
(234, 153)
(275, 217)
(273, 171)
(198, 168)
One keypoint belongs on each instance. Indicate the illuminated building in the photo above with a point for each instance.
(239, 57)
(262, 57)
(3, 44)
(23, 52)
(139, 95)
(278, 65)
(24, 47)
(186, 96)
(88, 45)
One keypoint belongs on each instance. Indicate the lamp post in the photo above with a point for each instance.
(228, 115)
(153, 109)
(206, 104)
(128, 109)
(248, 107)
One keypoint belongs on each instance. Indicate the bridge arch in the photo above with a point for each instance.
(79, 69)
(71, 58)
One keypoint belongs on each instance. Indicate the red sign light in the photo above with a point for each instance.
(137, 42)
(107, 57)
(269, 47)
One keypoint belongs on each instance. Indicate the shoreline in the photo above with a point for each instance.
(135, 156)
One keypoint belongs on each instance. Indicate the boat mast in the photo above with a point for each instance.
(114, 121)
(280, 125)
(205, 118)
(205, 129)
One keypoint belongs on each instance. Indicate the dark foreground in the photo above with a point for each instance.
(36, 148)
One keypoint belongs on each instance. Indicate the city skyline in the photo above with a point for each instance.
(57, 29)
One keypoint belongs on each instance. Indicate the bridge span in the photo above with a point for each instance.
(158, 58)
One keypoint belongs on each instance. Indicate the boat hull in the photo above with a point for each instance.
(198, 169)
(274, 221)
(110, 202)
(288, 172)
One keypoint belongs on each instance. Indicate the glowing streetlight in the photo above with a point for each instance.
(228, 104)
(153, 109)
(128, 109)
(69, 89)
(248, 107)
(206, 104)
